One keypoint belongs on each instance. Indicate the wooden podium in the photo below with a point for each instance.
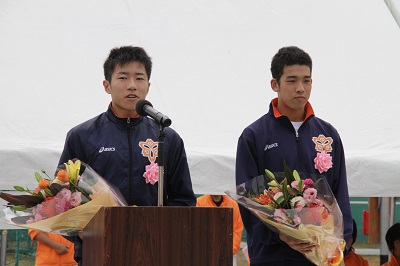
(187, 236)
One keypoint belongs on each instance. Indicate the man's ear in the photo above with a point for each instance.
(148, 88)
(107, 86)
(274, 85)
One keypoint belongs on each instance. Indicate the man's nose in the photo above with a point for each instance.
(300, 87)
(132, 84)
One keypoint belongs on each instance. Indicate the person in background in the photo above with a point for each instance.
(122, 146)
(208, 200)
(351, 258)
(52, 249)
(393, 242)
(290, 132)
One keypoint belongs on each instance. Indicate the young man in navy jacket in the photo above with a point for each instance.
(289, 132)
(119, 143)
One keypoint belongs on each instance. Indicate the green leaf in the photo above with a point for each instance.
(301, 186)
(19, 188)
(273, 184)
(38, 177)
(284, 191)
(294, 191)
(26, 200)
(19, 208)
(270, 174)
(272, 199)
(281, 201)
(48, 192)
(296, 175)
(288, 173)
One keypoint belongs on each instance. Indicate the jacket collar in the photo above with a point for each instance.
(308, 109)
(121, 121)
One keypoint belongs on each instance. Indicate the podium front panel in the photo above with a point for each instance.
(187, 236)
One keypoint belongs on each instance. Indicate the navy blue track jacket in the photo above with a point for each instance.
(119, 149)
(265, 144)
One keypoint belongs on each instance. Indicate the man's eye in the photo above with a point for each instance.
(140, 78)
(122, 78)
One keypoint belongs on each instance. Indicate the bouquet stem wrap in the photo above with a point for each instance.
(286, 207)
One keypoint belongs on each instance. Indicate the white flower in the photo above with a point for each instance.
(298, 203)
(277, 195)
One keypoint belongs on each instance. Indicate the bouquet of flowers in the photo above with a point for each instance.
(299, 205)
(63, 204)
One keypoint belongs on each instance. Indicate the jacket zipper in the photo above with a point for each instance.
(128, 123)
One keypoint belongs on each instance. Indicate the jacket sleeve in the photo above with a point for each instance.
(72, 148)
(179, 184)
(246, 169)
(340, 189)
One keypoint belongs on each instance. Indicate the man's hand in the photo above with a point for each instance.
(61, 248)
(296, 244)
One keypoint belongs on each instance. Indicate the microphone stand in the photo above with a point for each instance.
(161, 137)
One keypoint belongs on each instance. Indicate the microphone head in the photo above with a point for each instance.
(140, 107)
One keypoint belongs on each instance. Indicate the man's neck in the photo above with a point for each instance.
(217, 199)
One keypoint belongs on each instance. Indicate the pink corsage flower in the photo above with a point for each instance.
(323, 162)
(151, 174)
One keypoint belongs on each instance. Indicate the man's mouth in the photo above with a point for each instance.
(131, 96)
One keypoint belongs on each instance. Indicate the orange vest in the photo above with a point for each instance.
(353, 259)
(47, 256)
(206, 201)
(391, 262)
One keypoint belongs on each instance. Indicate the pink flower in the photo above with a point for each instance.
(75, 199)
(295, 184)
(323, 162)
(310, 195)
(280, 216)
(308, 183)
(296, 220)
(60, 205)
(38, 217)
(314, 215)
(151, 174)
(64, 193)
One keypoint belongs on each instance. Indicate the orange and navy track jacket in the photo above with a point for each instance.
(206, 201)
(266, 144)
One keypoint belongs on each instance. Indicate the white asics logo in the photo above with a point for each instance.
(106, 149)
(270, 146)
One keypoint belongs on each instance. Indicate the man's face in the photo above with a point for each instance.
(396, 251)
(129, 84)
(294, 88)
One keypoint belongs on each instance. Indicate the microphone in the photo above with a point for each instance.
(145, 108)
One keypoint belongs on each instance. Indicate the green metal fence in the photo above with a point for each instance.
(17, 248)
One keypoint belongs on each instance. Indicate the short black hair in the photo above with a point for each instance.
(120, 56)
(288, 56)
(392, 234)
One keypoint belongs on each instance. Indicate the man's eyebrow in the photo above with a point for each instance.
(127, 73)
(293, 77)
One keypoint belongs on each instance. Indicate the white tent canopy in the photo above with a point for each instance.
(210, 76)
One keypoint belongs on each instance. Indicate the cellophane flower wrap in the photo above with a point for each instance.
(299, 205)
(63, 204)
